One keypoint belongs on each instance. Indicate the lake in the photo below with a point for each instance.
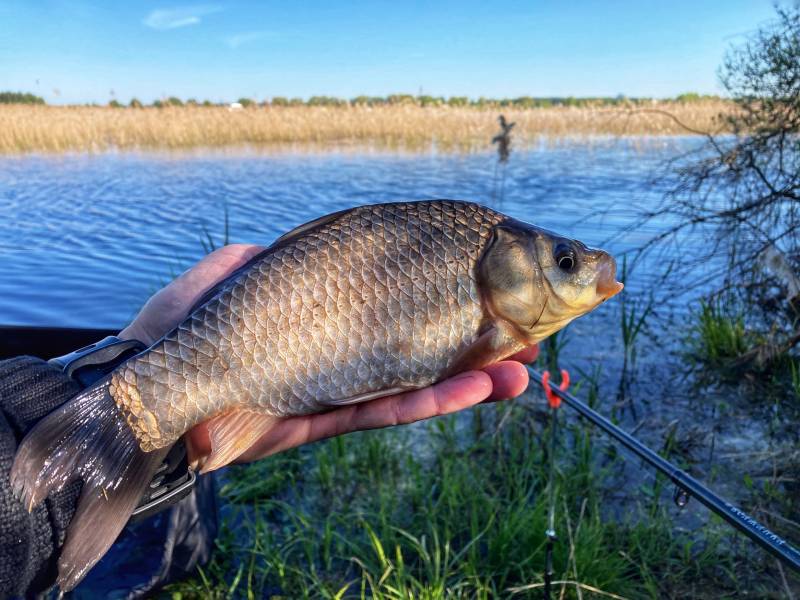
(85, 239)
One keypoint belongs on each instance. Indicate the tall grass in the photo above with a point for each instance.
(407, 126)
(633, 318)
(431, 514)
(719, 336)
(794, 366)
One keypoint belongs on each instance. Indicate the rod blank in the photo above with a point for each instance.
(736, 517)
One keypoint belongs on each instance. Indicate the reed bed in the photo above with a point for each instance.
(53, 129)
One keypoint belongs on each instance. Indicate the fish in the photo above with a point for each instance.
(357, 305)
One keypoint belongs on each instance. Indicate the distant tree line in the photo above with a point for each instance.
(425, 101)
(391, 100)
(19, 98)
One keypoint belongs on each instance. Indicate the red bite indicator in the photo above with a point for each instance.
(552, 399)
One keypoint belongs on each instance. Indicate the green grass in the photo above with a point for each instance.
(440, 511)
(719, 336)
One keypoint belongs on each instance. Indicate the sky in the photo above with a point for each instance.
(77, 52)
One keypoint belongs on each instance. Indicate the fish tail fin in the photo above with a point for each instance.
(86, 438)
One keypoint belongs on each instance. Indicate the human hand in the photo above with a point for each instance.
(171, 305)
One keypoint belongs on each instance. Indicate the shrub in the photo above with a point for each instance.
(19, 98)
(458, 101)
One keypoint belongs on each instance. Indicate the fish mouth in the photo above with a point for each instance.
(607, 284)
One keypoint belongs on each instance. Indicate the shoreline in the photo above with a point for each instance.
(49, 130)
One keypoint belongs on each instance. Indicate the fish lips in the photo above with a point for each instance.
(607, 284)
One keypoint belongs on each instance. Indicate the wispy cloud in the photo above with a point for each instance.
(182, 16)
(240, 39)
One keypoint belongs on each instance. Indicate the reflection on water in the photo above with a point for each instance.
(84, 240)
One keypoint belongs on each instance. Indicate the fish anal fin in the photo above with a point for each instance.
(232, 433)
(359, 398)
(493, 345)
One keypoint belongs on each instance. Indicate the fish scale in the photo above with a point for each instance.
(345, 309)
(380, 297)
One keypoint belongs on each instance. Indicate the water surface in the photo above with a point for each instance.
(85, 239)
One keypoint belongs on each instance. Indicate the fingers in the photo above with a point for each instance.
(509, 379)
(451, 395)
(448, 396)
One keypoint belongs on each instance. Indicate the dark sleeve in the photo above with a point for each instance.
(30, 389)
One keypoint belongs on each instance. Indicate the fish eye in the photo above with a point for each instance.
(565, 257)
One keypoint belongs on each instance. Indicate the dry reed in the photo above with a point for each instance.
(52, 129)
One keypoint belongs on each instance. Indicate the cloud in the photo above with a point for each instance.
(172, 18)
(247, 37)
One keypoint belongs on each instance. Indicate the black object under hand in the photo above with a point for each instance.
(30, 388)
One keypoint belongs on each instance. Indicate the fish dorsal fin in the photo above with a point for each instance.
(232, 433)
(294, 233)
(359, 398)
(316, 223)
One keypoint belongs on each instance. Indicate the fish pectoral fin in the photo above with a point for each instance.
(359, 398)
(493, 345)
(232, 433)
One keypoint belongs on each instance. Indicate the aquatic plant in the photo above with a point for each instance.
(207, 240)
(503, 141)
(404, 126)
(634, 313)
(719, 335)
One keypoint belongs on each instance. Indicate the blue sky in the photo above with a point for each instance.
(74, 51)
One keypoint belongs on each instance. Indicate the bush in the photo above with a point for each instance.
(400, 99)
(430, 100)
(134, 103)
(458, 101)
(19, 98)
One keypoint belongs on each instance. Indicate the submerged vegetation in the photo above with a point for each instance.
(175, 125)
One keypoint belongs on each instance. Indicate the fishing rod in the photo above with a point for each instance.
(686, 485)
